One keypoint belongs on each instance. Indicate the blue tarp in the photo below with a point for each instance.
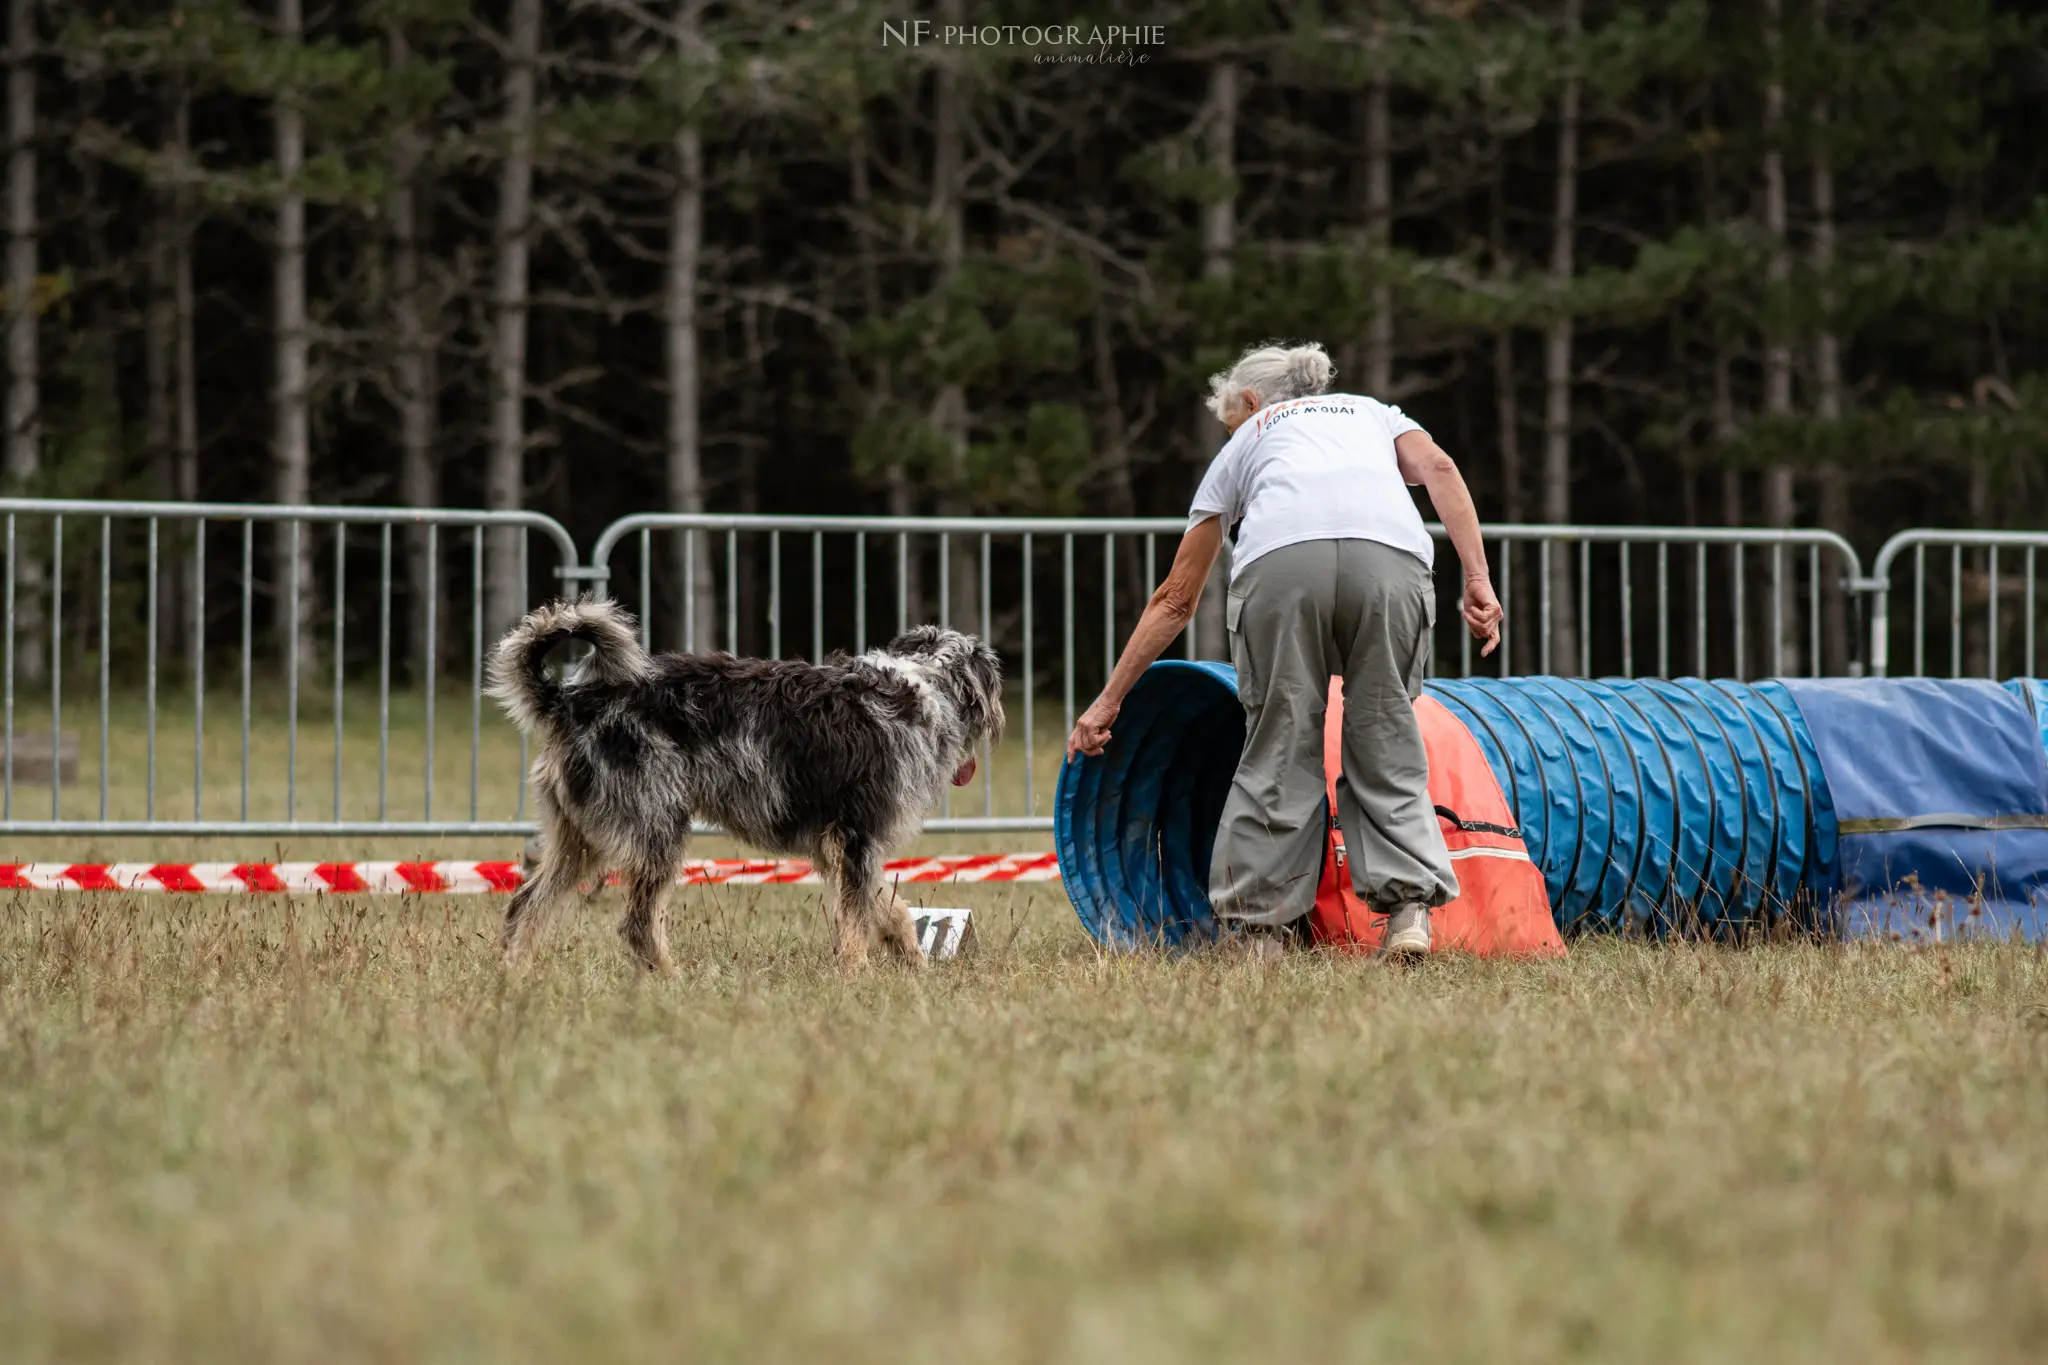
(1655, 805)
(1942, 788)
(2034, 695)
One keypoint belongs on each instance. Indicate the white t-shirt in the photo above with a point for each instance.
(1320, 468)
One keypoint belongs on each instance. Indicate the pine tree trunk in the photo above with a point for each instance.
(750, 616)
(98, 363)
(416, 372)
(157, 420)
(185, 468)
(1975, 625)
(949, 412)
(24, 389)
(1120, 491)
(1725, 428)
(695, 590)
(1557, 365)
(1508, 423)
(1507, 407)
(505, 476)
(1219, 247)
(1219, 211)
(1379, 209)
(160, 417)
(896, 479)
(291, 447)
(1778, 487)
(188, 629)
(1507, 416)
(1827, 380)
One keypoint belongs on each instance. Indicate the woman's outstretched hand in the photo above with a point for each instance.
(1482, 614)
(1091, 731)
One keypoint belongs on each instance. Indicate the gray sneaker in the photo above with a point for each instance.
(1407, 932)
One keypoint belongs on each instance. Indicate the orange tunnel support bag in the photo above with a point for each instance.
(1501, 908)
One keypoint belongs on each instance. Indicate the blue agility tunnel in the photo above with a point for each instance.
(1653, 805)
(1135, 827)
(1855, 807)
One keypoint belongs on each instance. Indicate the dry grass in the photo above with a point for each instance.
(333, 1131)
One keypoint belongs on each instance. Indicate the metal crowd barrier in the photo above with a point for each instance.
(144, 593)
(212, 669)
(1972, 596)
(1656, 601)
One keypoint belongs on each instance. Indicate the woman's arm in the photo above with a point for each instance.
(1165, 616)
(1424, 462)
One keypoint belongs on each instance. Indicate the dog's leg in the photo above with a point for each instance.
(865, 898)
(645, 927)
(565, 854)
(849, 917)
(897, 925)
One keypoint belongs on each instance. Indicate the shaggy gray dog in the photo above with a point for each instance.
(836, 761)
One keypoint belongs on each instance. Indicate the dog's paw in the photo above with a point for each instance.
(901, 941)
(903, 947)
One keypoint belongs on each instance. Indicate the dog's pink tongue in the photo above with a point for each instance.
(964, 774)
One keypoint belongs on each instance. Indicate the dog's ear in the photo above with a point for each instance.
(984, 676)
(995, 692)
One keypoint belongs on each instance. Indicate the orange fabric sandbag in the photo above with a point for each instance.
(1501, 909)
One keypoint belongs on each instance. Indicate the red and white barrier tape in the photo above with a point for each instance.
(401, 878)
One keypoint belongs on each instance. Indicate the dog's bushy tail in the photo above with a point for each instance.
(519, 678)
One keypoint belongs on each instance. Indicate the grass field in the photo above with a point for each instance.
(332, 1130)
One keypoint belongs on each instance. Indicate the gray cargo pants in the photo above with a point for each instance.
(1297, 616)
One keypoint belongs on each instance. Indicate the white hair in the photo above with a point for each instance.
(1275, 372)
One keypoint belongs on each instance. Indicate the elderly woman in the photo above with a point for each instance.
(1329, 575)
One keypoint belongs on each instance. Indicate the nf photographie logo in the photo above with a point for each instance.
(1116, 44)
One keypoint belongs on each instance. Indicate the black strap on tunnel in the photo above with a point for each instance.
(1458, 821)
(1473, 716)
